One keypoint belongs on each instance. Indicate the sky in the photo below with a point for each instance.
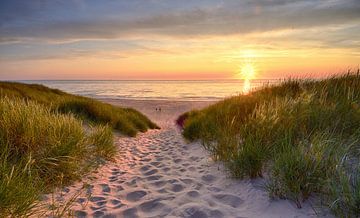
(173, 39)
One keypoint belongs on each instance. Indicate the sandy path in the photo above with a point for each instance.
(157, 174)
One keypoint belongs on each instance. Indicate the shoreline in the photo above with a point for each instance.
(170, 110)
(160, 100)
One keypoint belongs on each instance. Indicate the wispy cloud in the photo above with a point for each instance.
(229, 17)
(157, 34)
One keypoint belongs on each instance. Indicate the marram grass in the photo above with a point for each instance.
(40, 149)
(49, 138)
(299, 135)
(125, 120)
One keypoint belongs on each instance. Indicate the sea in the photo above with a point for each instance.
(184, 90)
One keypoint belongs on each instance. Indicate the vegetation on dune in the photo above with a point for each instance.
(126, 120)
(302, 135)
(44, 143)
(40, 150)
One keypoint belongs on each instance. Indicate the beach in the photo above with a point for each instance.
(159, 174)
(201, 109)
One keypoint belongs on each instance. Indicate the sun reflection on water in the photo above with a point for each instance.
(246, 86)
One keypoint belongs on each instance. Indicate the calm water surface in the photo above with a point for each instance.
(154, 90)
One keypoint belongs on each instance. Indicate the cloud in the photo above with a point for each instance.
(77, 29)
(229, 17)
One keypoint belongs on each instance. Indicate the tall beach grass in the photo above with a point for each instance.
(303, 136)
(126, 120)
(49, 139)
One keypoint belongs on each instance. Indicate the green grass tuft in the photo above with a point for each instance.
(102, 139)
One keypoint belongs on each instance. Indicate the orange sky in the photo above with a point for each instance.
(202, 40)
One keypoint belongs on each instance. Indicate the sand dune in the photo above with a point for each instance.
(157, 174)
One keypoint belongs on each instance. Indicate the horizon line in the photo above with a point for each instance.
(138, 79)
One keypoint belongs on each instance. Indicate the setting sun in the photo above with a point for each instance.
(247, 71)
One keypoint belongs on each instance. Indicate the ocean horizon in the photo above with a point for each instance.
(181, 90)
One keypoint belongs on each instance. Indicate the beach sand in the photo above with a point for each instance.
(158, 174)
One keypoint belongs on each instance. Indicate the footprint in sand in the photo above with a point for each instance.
(191, 168)
(100, 203)
(115, 202)
(120, 181)
(80, 214)
(115, 171)
(119, 188)
(98, 214)
(155, 163)
(193, 194)
(177, 160)
(191, 211)
(81, 200)
(112, 178)
(208, 178)
(158, 183)
(172, 181)
(132, 183)
(145, 168)
(214, 189)
(146, 159)
(109, 216)
(194, 158)
(186, 164)
(166, 169)
(177, 188)
(198, 186)
(130, 213)
(89, 189)
(135, 195)
(162, 191)
(97, 198)
(151, 172)
(186, 181)
(152, 178)
(150, 206)
(216, 213)
(105, 188)
(228, 199)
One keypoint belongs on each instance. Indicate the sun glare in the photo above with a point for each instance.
(247, 73)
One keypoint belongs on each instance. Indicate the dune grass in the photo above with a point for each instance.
(40, 150)
(49, 139)
(126, 120)
(302, 135)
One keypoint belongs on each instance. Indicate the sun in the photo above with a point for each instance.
(247, 71)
